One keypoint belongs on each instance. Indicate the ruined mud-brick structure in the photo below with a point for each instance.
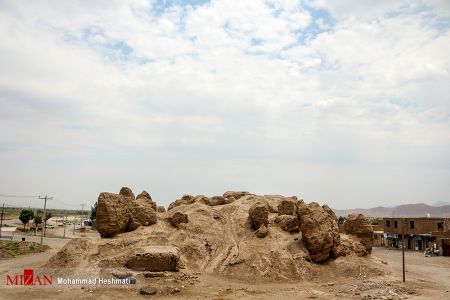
(237, 234)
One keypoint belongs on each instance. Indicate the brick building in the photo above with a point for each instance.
(419, 233)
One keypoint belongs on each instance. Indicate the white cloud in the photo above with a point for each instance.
(227, 83)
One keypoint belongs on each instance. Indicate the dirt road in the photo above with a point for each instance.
(433, 272)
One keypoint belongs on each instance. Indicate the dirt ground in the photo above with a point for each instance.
(431, 273)
(427, 278)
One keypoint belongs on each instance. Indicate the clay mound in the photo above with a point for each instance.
(220, 239)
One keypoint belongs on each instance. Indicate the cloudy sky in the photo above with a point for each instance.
(340, 102)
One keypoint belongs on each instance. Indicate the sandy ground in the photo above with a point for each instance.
(427, 278)
(432, 272)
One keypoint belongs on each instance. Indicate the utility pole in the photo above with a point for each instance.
(35, 225)
(403, 247)
(82, 214)
(65, 221)
(1, 221)
(45, 215)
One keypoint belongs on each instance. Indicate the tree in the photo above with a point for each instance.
(25, 216)
(341, 220)
(37, 220)
(374, 221)
(94, 211)
(48, 216)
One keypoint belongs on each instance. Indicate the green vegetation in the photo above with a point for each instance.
(25, 216)
(14, 248)
(13, 212)
(48, 216)
(375, 221)
(341, 220)
(94, 211)
(37, 220)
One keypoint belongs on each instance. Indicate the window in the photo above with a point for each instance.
(395, 224)
(388, 223)
(411, 224)
(440, 226)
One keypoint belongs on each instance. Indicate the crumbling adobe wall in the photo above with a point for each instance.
(358, 226)
(320, 232)
(118, 213)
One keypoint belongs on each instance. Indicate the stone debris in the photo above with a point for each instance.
(147, 290)
(261, 231)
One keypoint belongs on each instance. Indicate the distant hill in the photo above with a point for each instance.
(407, 210)
(441, 203)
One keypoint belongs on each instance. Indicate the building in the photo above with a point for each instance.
(420, 233)
(378, 239)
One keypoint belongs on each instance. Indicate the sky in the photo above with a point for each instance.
(340, 102)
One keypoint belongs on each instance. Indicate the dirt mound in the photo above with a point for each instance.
(222, 239)
(73, 255)
(121, 213)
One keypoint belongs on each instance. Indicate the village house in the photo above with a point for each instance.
(420, 233)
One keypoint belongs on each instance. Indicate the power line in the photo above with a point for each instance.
(18, 196)
(73, 206)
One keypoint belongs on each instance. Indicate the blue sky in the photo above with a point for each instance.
(340, 102)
